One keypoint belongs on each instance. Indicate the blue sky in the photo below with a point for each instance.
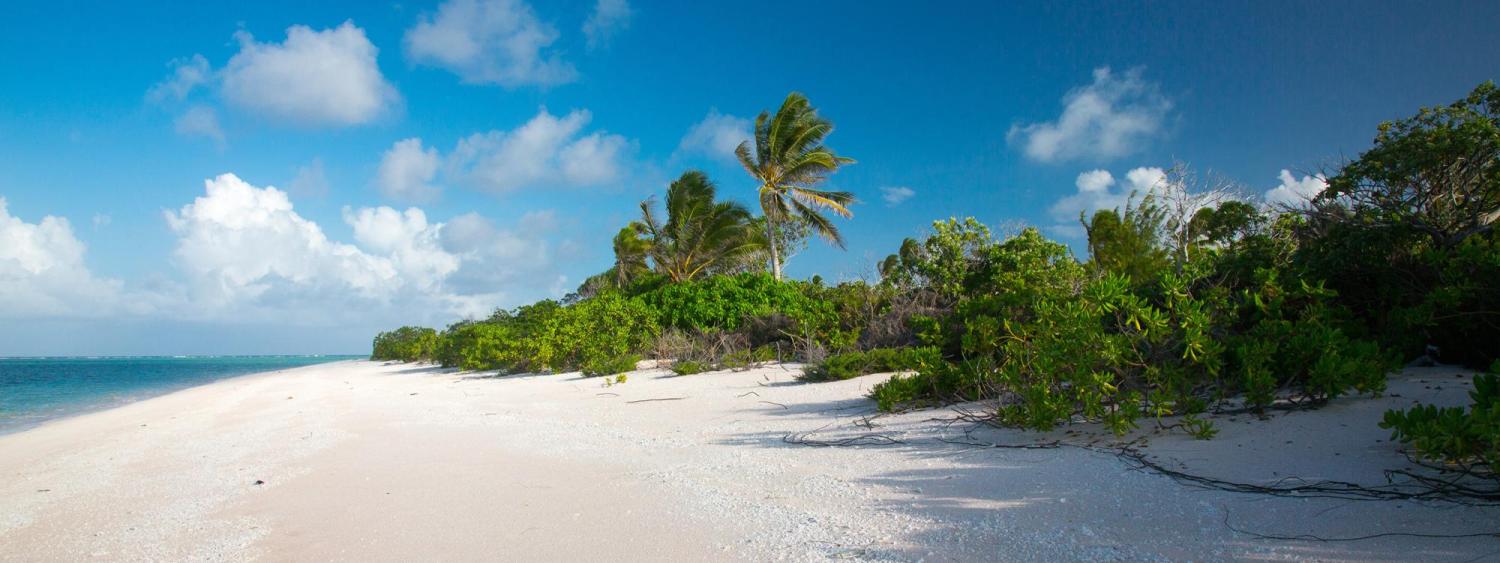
(113, 118)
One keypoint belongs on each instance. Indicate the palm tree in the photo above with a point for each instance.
(700, 234)
(788, 161)
(630, 254)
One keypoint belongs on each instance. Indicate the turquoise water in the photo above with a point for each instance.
(35, 390)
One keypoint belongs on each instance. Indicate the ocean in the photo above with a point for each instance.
(35, 390)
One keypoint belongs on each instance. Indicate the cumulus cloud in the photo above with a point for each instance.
(1293, 192)
(239, 244)
(248, 255)
(407, 170)
(42, 272)
(489, 42)
(200, 121)
(547, 150)
(407, 240)
(1109, 118)
(327, 77)
(895, 195)
(243, 254)
(187, 75)
(1098, 190)
(608, 18)
(716, 136)
(495, 259)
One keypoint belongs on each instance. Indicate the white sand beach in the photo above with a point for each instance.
(362, 461)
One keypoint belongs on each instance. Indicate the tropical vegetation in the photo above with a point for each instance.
(1188, 300)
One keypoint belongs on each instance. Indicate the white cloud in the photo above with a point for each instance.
(327, 77)
(716, 136)
(409, 242)
(893, 196)
(310, 180)
(489, 42)
(249, 256)
(42, 272)
(187, 75)
(1109, 118)
(494, 259)
(547, 150)
(101, 220)
(407, 170)
(608, 18)
(200, 121)
(1293, 192)
(1095, 181)
(245, 256)
(241, 244)
(1098, 190)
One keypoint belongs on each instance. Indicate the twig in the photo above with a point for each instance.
(1311, 537)
(650, 400)
(873, 439)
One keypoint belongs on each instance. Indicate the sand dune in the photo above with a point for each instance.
(359, 461)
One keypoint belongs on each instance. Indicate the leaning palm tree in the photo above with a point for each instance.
(789, 161)
(700, 235)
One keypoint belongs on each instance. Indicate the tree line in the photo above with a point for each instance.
(1189, 299)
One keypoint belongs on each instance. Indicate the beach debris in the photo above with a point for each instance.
(259, 482)
(651, 400)
(873, 439)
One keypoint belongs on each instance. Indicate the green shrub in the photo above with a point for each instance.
(1455, 435)
(610, 366)
(729, 303)
(880, 360)
(406, 344)
(1058, 345)
(547, 336)
(595, 331)
(690, 367)
(747, 358)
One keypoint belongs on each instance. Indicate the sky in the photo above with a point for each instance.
(292, 177)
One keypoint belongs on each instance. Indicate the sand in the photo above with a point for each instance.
(361, 461)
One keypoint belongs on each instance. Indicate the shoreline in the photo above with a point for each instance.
(114, 401)
(358, 460)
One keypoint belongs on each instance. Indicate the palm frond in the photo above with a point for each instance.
(837, 202)
(819, 223)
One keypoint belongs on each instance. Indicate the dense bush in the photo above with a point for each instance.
(1406, 232)
(406, 344)
(596, 330)
(547, 336)
(1054, 343)
(729, 302)
(510, 341)
(1455, 435)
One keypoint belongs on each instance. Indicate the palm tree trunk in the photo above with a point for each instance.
(771, 240)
